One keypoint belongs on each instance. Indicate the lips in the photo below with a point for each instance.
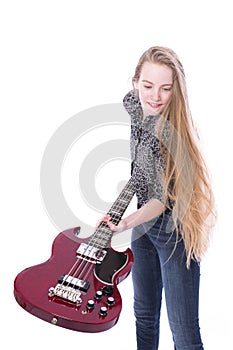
(154, 105)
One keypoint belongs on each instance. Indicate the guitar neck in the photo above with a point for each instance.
(103, 233)
(121, 203)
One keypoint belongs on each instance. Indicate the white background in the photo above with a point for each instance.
(61, 57)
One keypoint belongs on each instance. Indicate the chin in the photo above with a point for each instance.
(148, 111)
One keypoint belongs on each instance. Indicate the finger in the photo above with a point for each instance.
(98, 223)
(106, 218)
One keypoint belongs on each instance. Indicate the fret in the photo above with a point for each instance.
(123, 201)
(104, 230)
(98, 236)
(114, 212)
(128, 193)
(100, 241)
(100, 244)
(103, 234)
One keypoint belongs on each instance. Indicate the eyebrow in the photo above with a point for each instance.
(147, 81)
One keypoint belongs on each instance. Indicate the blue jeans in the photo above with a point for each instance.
(160, 263)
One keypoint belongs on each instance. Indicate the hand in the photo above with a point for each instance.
(122, 226)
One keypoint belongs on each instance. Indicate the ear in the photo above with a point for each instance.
(135, 88)
(135, 85)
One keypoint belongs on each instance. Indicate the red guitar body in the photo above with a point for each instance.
(95, 306)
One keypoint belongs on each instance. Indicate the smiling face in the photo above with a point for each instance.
(154, 87)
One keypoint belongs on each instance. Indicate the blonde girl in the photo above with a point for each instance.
(172, 224)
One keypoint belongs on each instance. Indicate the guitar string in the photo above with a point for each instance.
(103, 225)
(98, 242)
(125, 195)
(81, 264)
(86, 262)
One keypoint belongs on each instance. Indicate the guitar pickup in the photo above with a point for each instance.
(90, 253)
(74, 282)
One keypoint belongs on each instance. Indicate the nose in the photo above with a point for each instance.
(155, 94)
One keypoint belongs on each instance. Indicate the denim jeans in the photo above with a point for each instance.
(160, 262)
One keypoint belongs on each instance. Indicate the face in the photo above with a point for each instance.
(154, 87)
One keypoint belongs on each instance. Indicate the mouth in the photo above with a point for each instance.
(154, 105)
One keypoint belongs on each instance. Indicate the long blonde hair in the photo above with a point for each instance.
(187, 183)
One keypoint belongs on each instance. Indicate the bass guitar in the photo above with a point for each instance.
(76, 288)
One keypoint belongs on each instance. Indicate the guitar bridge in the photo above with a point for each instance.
(65, 292)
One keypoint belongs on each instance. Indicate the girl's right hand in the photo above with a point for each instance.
(122, 226)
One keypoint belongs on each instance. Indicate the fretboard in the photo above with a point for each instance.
(103, 234)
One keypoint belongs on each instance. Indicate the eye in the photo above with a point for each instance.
(166, 88)
(147, 86)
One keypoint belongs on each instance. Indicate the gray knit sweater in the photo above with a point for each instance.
(146, 155)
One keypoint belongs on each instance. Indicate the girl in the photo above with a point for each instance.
(171, 226)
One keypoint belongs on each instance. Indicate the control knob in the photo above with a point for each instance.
(98, 295)
(110, 301)
(103, 311)
(90, 304)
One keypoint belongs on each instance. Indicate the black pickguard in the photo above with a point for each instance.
(113, 262)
